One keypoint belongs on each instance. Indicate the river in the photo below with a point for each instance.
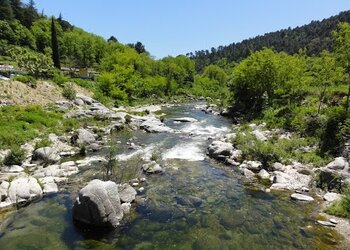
(196, 203)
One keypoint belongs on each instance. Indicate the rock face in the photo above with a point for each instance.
(220, 150)
(46, 155)
(335, 173)
(99, 204)
(24, 189)
(83, 137)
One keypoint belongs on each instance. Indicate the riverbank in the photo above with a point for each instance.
(180, 139)
(277, 160)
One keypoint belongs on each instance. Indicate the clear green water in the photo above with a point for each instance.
(193, 205)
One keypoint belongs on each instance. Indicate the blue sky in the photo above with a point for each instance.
(172, 27)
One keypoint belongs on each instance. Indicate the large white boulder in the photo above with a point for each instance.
(99, 204)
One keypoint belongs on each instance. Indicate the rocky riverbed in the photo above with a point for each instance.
(179, 197)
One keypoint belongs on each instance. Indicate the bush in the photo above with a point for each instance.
(43, 143)
(29, 80)
(15, 157)
(59, 78)
(69, 91)
(341, 208)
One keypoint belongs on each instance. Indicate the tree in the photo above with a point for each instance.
(325, 73)
(112, 39)
(17, 9)
(253, 81)
(342, 51)
(30, 14)
(54, 45)
(6, 12)
(139, 47)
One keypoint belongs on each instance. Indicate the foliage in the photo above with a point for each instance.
(36, 64)
(69, 91)
(277, 150)
(59, 78)
(15, 157)
(315, 37)
(29, 80)
(341, 208)
(54, 45)
(45, 142)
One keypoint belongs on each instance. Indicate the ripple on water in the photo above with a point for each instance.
(185, 151)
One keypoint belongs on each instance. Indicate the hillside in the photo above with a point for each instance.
(315, 37)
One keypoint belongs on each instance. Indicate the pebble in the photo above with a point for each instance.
(135, 184)
(141, 189)
(143, 179)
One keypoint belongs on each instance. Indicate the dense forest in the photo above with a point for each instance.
(314, 37)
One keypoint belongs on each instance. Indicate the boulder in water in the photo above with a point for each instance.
(98, 204)
(24, 189)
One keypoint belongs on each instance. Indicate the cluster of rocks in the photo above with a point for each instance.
(293, 177)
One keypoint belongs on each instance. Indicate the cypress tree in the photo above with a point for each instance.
(54, 45)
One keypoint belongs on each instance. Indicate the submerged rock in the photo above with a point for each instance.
(189, 201)
(99, 204)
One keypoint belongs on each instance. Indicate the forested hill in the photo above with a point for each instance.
(315, 37)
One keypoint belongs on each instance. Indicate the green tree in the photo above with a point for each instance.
(17, 9)
(30, 14)
(54, 45)
(253, 81)
(325, 73)
(342, 51)
(36, 64)
(6, 12)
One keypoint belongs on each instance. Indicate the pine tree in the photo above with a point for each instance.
(6, 12)
(54, 45)
(17, 9)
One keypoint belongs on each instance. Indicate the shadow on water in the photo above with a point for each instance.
(195, 204)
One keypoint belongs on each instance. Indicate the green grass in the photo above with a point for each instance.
(21, 124)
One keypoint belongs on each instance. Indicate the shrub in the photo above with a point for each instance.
(341, 208)
(59, 78)
(15, 157)
(28, 80)
(69, 91)
(43, 143)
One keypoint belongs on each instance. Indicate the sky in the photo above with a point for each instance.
(173, 27)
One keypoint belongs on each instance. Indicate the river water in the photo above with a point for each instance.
(196, 203)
